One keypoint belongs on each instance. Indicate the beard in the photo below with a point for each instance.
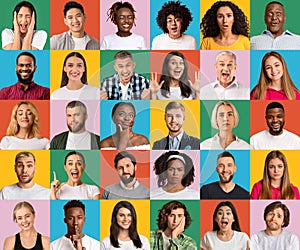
(276, 132)
(27, 80)
(76, 128)
(25, 181)
(126, 179)
(224, 181)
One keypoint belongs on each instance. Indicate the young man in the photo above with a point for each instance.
(75, 38)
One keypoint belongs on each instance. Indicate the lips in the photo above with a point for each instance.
(75, 174)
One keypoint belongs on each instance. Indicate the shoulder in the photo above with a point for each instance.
(59, 36)
(107, 142)
(142, 139)
(158, 144)
(206, 144)
(9, 242)
(7, 32)
(46, 242)
(41, 34)
(290, 134)
(188, 37)
(241, 235)
(212, 185)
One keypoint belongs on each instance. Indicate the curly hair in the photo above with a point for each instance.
(74, 203)
(161, 165)
(166, 210)
(288, 86)
(210, 28)
(176, 9)
(184, 84)
(14, 127)
(113, 11)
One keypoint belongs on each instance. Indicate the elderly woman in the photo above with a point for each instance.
(174, 19)
(224, 118)
(225, 26)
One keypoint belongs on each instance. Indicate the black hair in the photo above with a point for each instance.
(27, 5)
(122, 155)
(80, 104)
(274, 105)
(225, 154)
(71, 5)
(74, 203)
(75, 153)
(120, 104)
(25, 53)
(113, 10)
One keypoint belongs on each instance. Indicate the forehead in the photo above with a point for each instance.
(73, 11)
(25, 159)
(272, 59)
(175, 163)
(224, 160)
(124, 161)
(74, 157)
(125, 108)
(171, 16)
(177, 211)
(123, 60)
(224, 208)
(25, 59)
(124, 210)
(275, 161)
(225, 108)
(176, 58)
(124, 11)
(74, 211)
(24, 10)
(23, 210)
(225, 58)
(74, 59)
(224, 9)
(175, 111)
(274, 7)
(74, 110)
(275, 111)
(23, 107)
(278, 210)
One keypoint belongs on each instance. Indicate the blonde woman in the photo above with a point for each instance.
(23, 129)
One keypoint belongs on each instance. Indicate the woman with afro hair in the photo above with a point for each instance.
(174, 19)
(225, 26)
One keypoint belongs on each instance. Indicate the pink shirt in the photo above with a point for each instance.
(257, 187)
(273, 94)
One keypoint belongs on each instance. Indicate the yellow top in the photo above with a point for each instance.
(242, 43)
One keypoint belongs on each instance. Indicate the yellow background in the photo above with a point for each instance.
(92, 59)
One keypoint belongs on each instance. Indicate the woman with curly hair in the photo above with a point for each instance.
(23, 129)
(274, 81)
(175, 173)
(174, 82)
(225, 26)
(174, 19)
(276, 183)
(122, 14)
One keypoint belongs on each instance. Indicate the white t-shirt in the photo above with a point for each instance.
(65, 243)
(185, 194)
(87, 92)
(39, 38)
(264, 140)
(210, 241)
(12, 142)
(79, 141)
(214, 143)
(13, 192)
(80, 43)
(163, 41)
(175, 94)
(82, 192)
(140, 147)
(283, 241)
(125, 245)
(133, 42)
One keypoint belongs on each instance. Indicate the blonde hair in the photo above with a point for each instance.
(20, 205)
(215, 113)
(288, 86)
(13, 127)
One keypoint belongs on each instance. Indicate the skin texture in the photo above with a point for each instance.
(225, 19)
(25, 170)
(126, 171)
(76, 120)
(75, 20)
(274, 69)
(124, 22)
(276, 170)
(174, 119)
(176, 222)
(224, 218)
(74, 69)
(275, 19)
(275, 120)
(24, 117)
(174, 26)
(225, 68)
(175, 173)
(274, 221)
(225, 118)
(225, 169)
(25, 69)
(124, 218)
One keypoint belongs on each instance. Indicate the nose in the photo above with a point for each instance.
(175, 219)
(224, 19)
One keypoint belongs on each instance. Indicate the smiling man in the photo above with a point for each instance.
(276, 136)
(225, 188)
(75, 37)
(226, 86)
(275, 36)
(125, 84)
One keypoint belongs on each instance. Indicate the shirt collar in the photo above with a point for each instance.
(178, 136)
(216, 83)
(286, 32)
(134, 186)
(21, 87)
(217, 138)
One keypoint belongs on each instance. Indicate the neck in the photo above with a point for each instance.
(225, 35)
(130, 184)
(174, 83)
(174, 36)
(226, 138)
(74, 85)
(273, 232)
(71, 234)
(279, 33)
(227, 187)
(226, 84)
(276, 84)
(73, 184)
(24, 133)
(174, 134)
(25, 86)
(29, 233)
(79, 132)
(168, 232)
(78, 34)
(123, 234)
(173, 188)
(276, 183)
(25, 185)
(123, 34)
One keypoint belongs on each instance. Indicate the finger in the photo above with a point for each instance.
(160, 85)
(120, 127)
(54, 175)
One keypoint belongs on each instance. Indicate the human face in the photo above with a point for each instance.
(24, 218)
(275, 120)
(225, 118)
(226, 169)
(174, 120)
(125, 69)
(74, 168)
(174, 218)
(275, 219)
(124, 218)
(225, 67)
(174, 26)
(224, 218)
(75, 20)
(124, 116)
(175, 172)
(124, 22)
(74, 68)
(225, 19)
(274, 69)
(76, 120)
(25, 69)
(24, 19)
(126, 170)
(24, 116)
(275, 19)
(175, 67)
(75, 220)
(276, 169)
(25, 169)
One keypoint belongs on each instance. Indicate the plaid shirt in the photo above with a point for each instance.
(182, 242)
(111, 85)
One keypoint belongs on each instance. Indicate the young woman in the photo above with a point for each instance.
(224, 117)
(174, 19)
(74, 188)
(74, 85)
(174, 82)
(122, 15)
(28, 237)
(23, 129)
(276, 181)
(175, 173)
(226, 233)
(123, 230)
(23, 34)
(274, 81)
(123, 114)
(225, 26)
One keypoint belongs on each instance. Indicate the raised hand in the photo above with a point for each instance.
(77, 238)
(179, 229)
(32, 23)
(145, 94)
(55, 186)
(103, 95)
(196, 85)
(154, 85)
(123, 137)
(16, 25)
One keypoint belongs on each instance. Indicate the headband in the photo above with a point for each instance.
(179, 157)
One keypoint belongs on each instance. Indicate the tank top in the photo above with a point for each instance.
(38, 244)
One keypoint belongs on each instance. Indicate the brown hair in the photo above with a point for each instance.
(20, 205)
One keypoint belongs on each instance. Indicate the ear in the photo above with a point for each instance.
(65, 21)
(65, 168)
(115, 67)
(86, 117)
(234, 168)
(65, 221)
(133, 64)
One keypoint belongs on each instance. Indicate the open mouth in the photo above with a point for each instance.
(225, 75)
(224, 224)
(23, 26)
(75, 174)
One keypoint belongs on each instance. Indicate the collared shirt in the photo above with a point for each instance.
(174, 142)
(134, 186)
(112, 86)
(287, 40)
(17, 92)
(215, 91)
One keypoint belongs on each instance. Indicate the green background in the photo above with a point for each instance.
(42, 10)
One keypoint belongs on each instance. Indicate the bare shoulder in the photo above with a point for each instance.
(46, 242)
(107, 142)
(140, 140)
(9, 243)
